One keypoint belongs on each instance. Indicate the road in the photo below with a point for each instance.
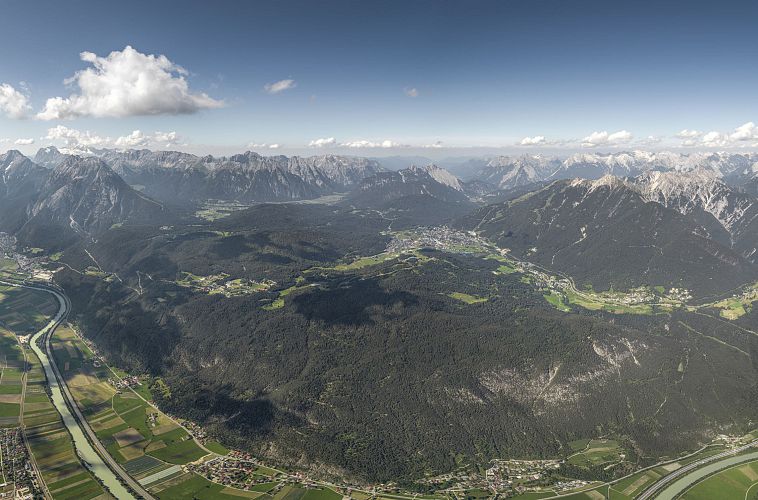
(657, 487)
(87, 445)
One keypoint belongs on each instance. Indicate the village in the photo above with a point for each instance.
(507, 478)
(438, 238)
(19, 480)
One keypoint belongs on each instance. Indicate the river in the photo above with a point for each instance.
(84, 448)
(677, 487)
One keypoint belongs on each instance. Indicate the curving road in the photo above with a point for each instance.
(86, 443)
(728, 457)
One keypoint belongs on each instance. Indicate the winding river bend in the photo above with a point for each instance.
(85, 449)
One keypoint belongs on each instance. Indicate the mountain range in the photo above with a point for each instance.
(507, 172)
(314, 332)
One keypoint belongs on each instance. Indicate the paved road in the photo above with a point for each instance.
(659, 486)
(109, 465)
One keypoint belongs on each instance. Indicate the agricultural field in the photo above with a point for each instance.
(23, 395)
(11, 379)
(7, 266)
(128, 426)
(636, 484)
(189, 485)
(25, 311)
(736, 483)
(50, 442)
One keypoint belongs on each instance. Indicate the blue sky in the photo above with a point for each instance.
(463, 75)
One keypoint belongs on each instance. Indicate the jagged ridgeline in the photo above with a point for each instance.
(355, 332)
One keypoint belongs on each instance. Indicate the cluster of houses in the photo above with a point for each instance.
(125, 383)
(505, 474)
(19, 478)
(439, 238)
(231, 471)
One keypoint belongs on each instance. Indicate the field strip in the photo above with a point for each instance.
(159, 475)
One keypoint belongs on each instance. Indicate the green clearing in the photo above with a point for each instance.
(360, 263)
(216, 447)
(263, 487)
(8, 264)
(579, 444)
(23, 310)
(599, 303)
(467, 298)
(321, 494)
(278, 303)
(732, 309)
(477, 493)
(221, 284)
(506, 265)
(535, 495)
(634, 485)
(192, 486)
(597, 452)
(181, 452)
(9, 409)
(737, 483)
(556, 300)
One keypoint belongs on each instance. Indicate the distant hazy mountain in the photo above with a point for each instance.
(249, 177)
(430, 180)
(508, 172)
(401, 162)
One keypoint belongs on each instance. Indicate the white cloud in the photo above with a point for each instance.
(24, 142)
(533, 141)
(128, 83)
(370, 144)
(13, 103)
(411, 92)
(134, 140)
(743, 136)
(715, 139)
(603, 138)
(76, 138)
(650, 140)
(688, 134)
(280, 86)
(81, 141)
(253, 145)
(746, 132)
(434, 145)
(323, 142)
(167, 138)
